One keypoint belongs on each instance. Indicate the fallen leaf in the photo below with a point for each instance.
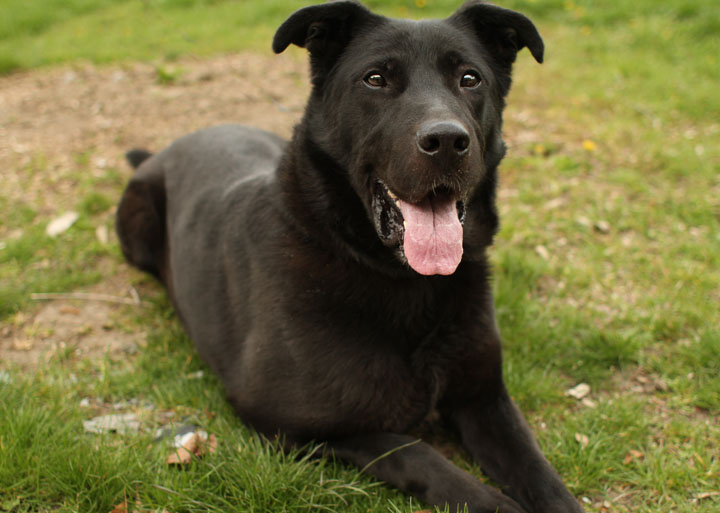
(583, 221)
(61, 224)
(120, 508)
(554, 203)
(103, 234)
(583, 440)
(579, 391)
(543, 252)
(633, 455)
(195, 443)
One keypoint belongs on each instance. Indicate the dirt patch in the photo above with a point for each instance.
(68, 329)
(52, 119)
(56, 122)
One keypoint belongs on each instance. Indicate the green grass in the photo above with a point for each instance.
(607, 271)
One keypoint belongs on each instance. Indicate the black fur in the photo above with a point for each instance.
(137, 156)
(286, 265)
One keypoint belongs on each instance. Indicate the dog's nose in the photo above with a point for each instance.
(443, 138)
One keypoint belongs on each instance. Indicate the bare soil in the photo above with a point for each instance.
(51, 120)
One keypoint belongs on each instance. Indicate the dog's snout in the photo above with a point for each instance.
(443, 138)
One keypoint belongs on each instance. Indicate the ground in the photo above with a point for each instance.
(101, 112)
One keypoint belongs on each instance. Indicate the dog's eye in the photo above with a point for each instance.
(375, 79)
(470, 80)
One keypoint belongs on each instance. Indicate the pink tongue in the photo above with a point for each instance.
(433, 235)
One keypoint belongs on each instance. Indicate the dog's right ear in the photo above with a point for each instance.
(324, 30)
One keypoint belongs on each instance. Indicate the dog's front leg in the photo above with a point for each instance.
(415, 467)
(498, 438)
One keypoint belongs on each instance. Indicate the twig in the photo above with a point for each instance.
(85, 296)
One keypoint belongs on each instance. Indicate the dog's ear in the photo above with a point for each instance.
(324, 30)
(503, 31)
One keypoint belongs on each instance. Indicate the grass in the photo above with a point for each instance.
(607, 272)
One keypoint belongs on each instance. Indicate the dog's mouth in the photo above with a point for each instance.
(428, 233)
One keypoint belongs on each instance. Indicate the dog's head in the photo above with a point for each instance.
(411, 111)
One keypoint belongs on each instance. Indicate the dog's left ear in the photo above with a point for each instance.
(324, 30)
(503, 31)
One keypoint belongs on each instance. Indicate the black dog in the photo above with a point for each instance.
(338, 283)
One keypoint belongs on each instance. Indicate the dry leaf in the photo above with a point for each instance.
(583, 440)
(61, 224)
(633, 455)
(120, 508)
(543, 252)
(579, 391)
(196, 443)
(588, 403)
(103, 234)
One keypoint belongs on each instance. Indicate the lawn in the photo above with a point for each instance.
(607, 265)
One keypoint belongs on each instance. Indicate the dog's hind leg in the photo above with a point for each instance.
(415, 467)
(140, 220)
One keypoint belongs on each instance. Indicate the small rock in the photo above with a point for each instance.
(175, 432)
(123, 424)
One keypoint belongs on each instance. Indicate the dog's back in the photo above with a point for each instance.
(203, 170)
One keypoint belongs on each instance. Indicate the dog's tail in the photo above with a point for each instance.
(137, 156)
